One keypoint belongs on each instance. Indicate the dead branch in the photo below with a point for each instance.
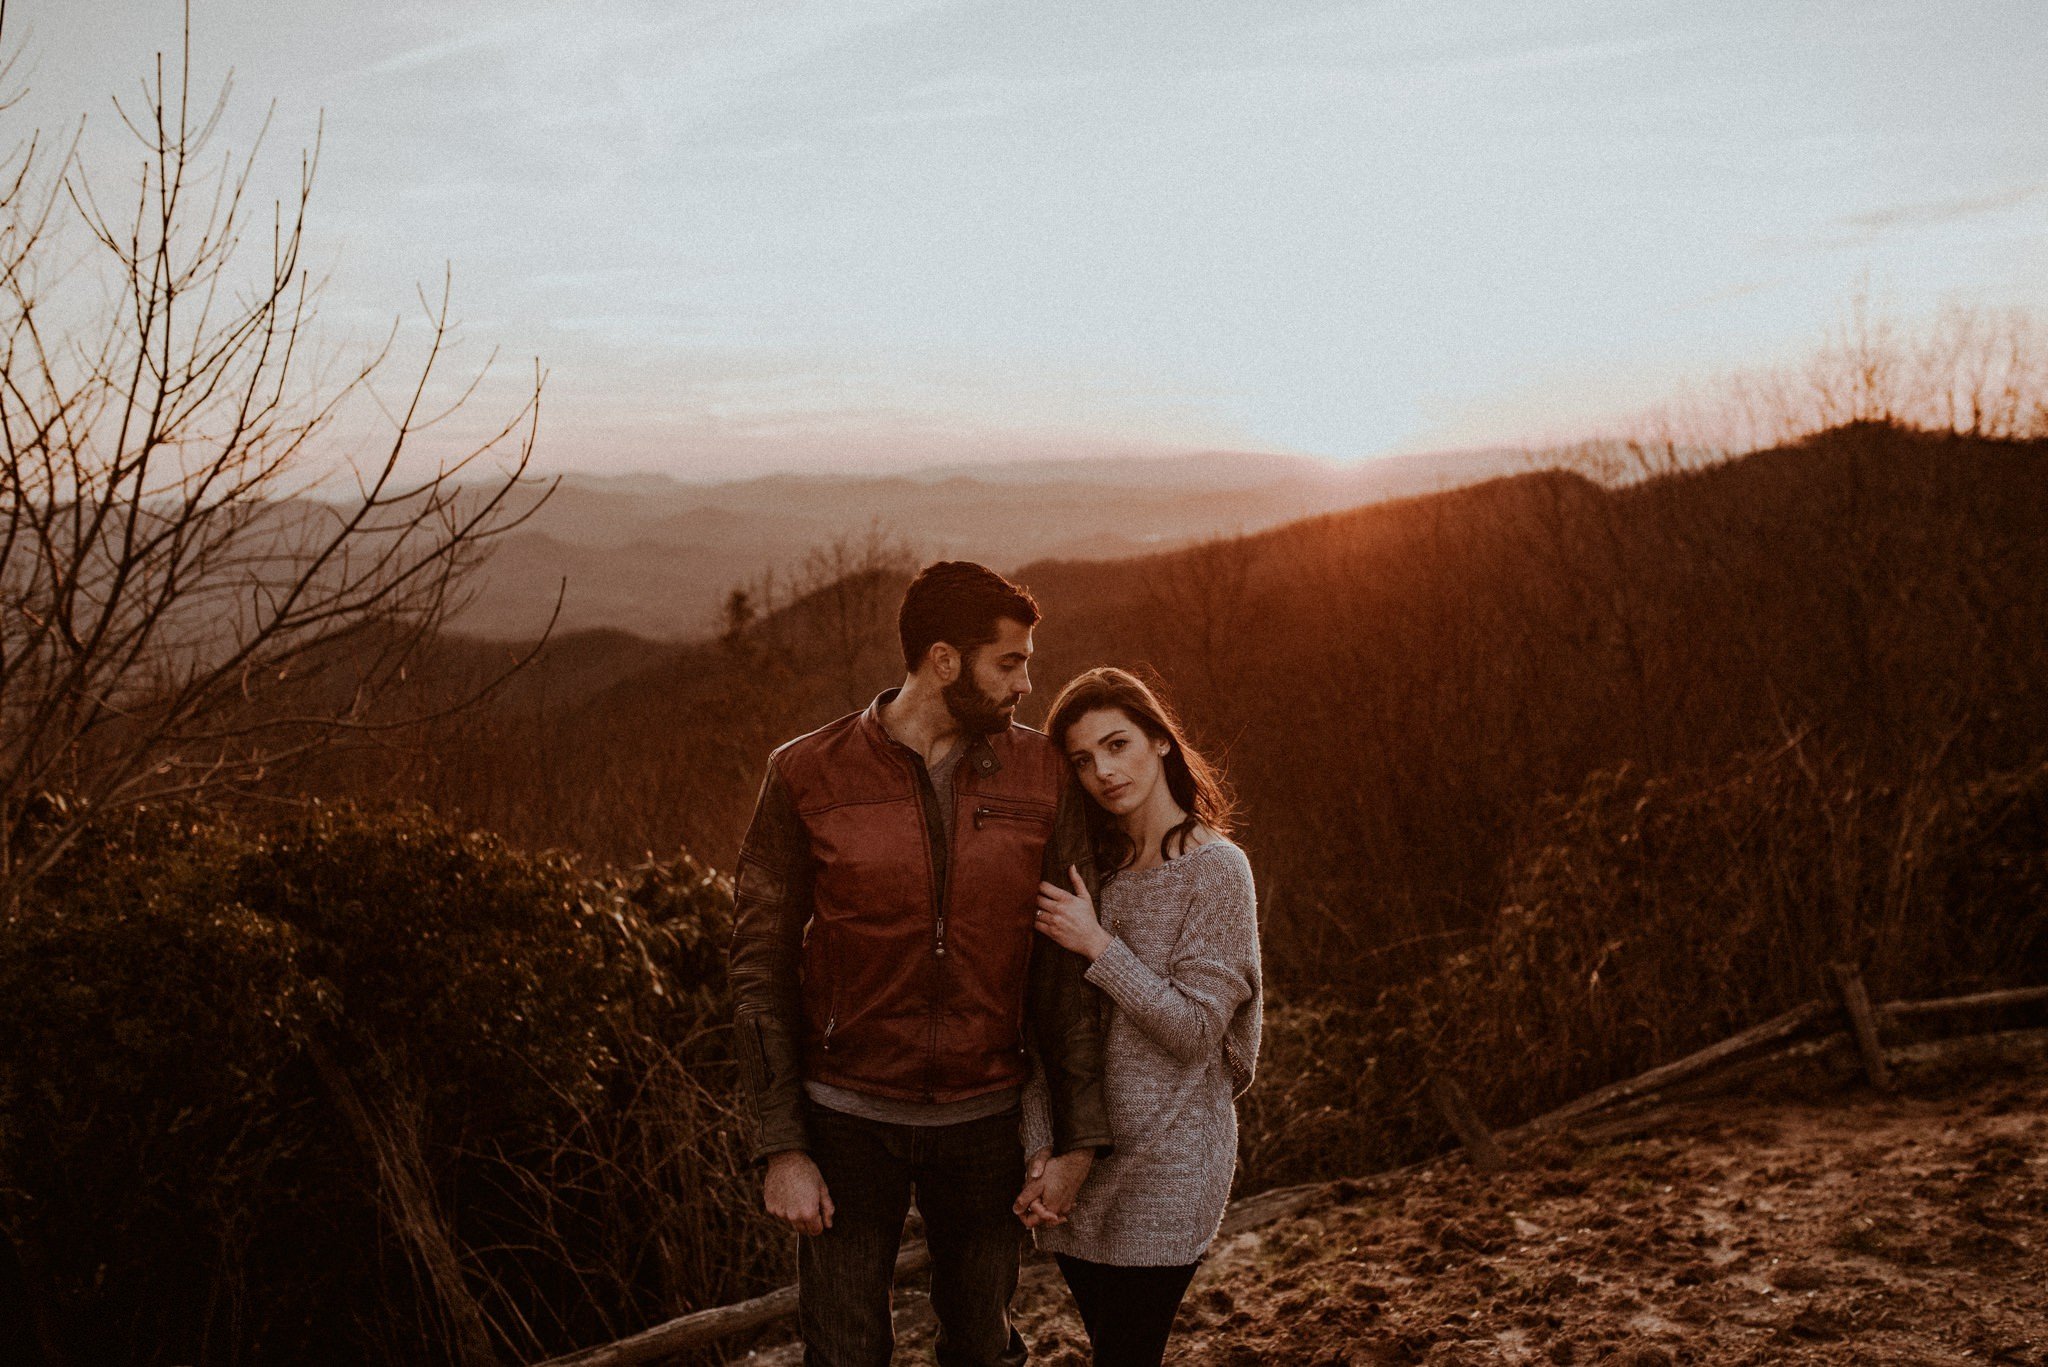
(182, 611)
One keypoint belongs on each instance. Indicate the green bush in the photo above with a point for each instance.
(230, 1049)
(483, 976)
(151, 1023)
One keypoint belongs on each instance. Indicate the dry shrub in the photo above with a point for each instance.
(644, 1205)
(1651, 916)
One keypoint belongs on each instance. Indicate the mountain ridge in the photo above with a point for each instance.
(659, 561)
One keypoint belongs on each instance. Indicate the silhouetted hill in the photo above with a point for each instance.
(1398, 689)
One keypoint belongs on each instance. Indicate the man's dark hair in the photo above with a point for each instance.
(958, 602)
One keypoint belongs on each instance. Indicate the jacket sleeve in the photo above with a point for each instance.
(1066, 1027)
(1035, 1124)
(771, 906)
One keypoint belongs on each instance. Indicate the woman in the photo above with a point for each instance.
(1175, 955)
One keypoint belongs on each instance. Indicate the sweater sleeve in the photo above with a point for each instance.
(1214, 969)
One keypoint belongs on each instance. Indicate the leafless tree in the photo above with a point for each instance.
(179, 613)
(850, 586)
(831, 615)
(1205, 598)
(1983, 373)
(1973, 371)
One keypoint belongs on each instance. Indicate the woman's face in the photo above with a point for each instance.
(1120, 766)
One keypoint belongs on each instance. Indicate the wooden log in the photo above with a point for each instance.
(1835, 1051)
(1456, 1109)
(2027, 1047)
(1976, 1001)
(1839, 1049)
(1267, 1206)
(1862, 1024)
(1769, 1032)
(707, 1326)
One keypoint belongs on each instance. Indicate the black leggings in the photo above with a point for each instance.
(1128, 1311)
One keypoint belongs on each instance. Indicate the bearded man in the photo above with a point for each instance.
(889, 992)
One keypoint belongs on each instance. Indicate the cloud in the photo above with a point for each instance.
(427, 54)
(1556, 56)
(1937, 211)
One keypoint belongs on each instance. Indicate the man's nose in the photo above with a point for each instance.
(1023, 682)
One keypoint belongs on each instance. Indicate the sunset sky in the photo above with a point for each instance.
(861, 234)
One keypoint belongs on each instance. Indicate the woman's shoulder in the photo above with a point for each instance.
(1217, 859)
(1200, 838)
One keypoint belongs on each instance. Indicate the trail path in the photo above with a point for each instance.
(1846, 1228)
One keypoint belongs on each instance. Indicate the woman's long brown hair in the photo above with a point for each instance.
(1196, 784)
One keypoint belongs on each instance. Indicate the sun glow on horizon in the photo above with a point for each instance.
(910, 233)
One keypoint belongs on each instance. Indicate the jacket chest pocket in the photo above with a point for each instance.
(993, 813)
(1005, 841)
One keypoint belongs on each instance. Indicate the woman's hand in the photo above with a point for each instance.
(1051, 1187)
(1068, 918)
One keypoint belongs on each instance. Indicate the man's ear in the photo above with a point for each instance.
(945, 660)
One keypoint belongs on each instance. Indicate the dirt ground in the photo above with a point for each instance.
(1845, 1228)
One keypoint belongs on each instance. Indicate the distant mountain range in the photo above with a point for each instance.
(657, 556)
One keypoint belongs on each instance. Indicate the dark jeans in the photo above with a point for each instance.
(964, 1178)
(1128, 1311)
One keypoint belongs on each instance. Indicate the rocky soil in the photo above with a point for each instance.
(1840, 1227)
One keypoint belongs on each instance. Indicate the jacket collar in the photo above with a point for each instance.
(981, 756)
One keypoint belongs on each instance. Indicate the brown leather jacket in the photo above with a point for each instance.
(869, 954)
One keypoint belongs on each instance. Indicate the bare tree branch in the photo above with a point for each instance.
(179, 613)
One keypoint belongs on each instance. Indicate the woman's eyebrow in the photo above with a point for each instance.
(1078, 753)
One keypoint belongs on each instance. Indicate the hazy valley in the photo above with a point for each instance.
(657, 557)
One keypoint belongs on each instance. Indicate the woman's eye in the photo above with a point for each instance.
(1115, 746)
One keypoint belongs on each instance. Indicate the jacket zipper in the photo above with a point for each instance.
(939, 894)
(832, 976)
(939, 935)
(985, 814)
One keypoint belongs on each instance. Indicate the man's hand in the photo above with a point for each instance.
(1034, 1188)
(1051, 1185)
(795, 1193)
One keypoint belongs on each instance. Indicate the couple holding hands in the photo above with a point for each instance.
(1010, 975)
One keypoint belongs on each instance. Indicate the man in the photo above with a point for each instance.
(888, 989)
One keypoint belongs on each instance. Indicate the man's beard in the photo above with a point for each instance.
(977, 713)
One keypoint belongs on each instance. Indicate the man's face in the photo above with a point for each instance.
(992, 681)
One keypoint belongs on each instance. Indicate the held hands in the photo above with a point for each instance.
(794, 1192)
(1068, 918)
(1050, 1186)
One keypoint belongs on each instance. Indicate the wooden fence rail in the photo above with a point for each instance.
(1768, 1044)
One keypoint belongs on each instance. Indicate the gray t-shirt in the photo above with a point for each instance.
(888, 1109)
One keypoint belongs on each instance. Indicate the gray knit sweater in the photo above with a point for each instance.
(1183, 1003)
